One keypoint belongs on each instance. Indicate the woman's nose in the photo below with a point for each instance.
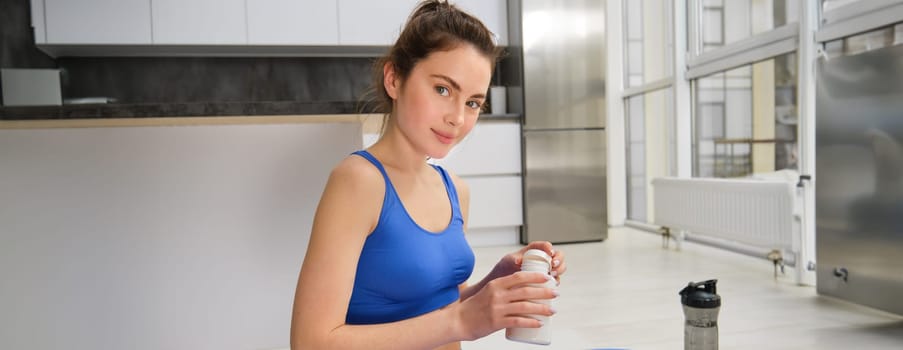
(455, 116)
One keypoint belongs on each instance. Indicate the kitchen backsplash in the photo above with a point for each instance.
(204, 79)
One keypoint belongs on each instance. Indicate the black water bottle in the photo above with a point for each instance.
(701, 304)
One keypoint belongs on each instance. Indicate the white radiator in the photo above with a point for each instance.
(757, 213)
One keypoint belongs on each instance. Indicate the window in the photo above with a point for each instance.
(649, 62)
(746, 119)
(829, 5)
(723, 22)
(650, 147)
(872, 40)
(649, 46)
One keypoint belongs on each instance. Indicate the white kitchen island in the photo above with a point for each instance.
(159, 233)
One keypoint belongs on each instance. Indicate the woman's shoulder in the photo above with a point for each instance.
(356, 171)
(355, 184)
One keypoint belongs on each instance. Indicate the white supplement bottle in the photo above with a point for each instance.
(535, 260)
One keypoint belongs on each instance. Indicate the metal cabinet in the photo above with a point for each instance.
(859, 178)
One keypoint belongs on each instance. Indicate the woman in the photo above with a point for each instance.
(387, 261)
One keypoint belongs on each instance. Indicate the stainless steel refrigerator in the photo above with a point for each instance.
(559, 48)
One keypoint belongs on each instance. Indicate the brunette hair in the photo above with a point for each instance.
(435, 25)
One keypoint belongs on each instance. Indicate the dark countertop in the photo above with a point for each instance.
(188, 109)
(194, 109)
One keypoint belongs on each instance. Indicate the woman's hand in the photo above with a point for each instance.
(511, 263)
(502, 303)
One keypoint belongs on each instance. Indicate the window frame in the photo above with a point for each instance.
(859, 17)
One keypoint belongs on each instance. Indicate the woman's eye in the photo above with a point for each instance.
(442, 90)
(473, 104)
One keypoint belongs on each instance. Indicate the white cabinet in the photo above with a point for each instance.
(200, 22)
(235, 23)
(489, 160)
(495, 201)
(293, 22)
(372, 23)
(491, 148)
(378, 23)
(94, 21)
(493, 13)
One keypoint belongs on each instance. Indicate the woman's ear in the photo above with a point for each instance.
(390, 80)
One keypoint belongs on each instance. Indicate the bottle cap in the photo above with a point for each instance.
(537, 254)
(701, 295)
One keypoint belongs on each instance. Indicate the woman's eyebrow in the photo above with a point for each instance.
(455, 84)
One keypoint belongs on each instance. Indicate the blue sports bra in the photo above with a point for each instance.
(404, 270)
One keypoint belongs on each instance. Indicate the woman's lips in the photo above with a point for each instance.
(444, 138)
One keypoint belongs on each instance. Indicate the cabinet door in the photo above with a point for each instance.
(97, 21)
(293, 22)
(495, 201)
(492, 148)
(493, 13)
(372, 23)
(205, 22)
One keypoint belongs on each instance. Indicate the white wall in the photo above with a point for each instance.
(615, 119)
(158, 237)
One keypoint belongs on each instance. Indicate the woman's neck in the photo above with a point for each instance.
(395, 151)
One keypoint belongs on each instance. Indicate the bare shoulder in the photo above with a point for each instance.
(356, 188)
(356, 171)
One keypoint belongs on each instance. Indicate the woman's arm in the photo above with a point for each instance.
(348, 211)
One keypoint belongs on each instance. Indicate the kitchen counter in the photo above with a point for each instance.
(184, 121)
(175, 114)
(192, 109)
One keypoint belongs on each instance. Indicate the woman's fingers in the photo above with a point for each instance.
(523, 311)
(558, 264)
(518, 314)
(519, 278)
(521, 322)
(531, 293)
(557, 259)
(545, 246)
(531, 308)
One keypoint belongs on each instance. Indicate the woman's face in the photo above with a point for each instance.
(439, 102)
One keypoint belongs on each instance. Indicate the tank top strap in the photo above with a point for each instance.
(450, 188)
(373, 160)
(378, 165)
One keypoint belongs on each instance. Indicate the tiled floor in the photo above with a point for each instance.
(622, 293)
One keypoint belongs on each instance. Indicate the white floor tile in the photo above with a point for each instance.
(623, 293)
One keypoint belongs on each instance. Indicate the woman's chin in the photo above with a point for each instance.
(439, 154)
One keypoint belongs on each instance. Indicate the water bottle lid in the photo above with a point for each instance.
(701, 295)
(537, 254)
